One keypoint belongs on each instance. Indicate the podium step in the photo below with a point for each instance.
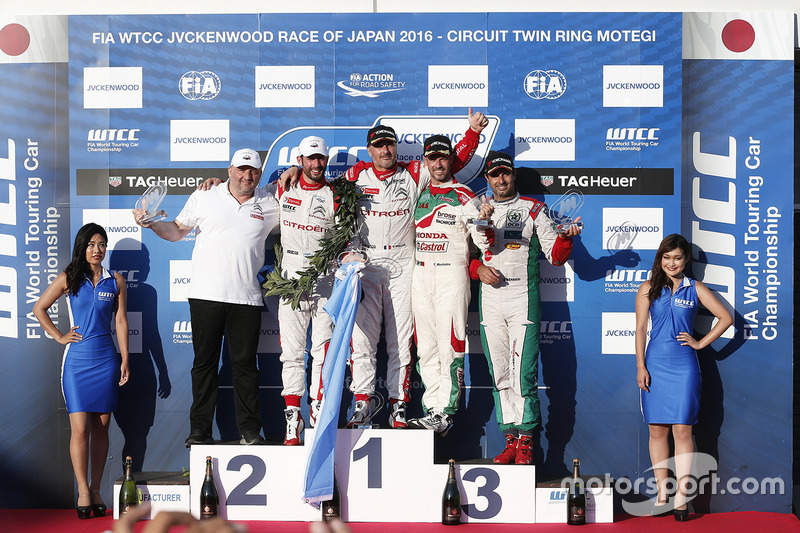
(164, 491)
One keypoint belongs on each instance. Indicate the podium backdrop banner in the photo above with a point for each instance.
(658, 122)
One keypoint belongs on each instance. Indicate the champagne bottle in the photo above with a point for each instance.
(332, 508)
(127, 494)
(209, 498)
(576, 499)
(451, 499)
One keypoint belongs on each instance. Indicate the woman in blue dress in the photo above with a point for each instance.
(668, 373)
(91, 370)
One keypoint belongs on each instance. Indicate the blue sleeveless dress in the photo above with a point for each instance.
(90, 369)
(674, 396)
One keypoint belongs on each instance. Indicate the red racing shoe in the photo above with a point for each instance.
(509, 453)
(524, 450)
(294, 426)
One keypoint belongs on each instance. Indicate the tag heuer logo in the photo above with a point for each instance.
(115, 181)
(547, 180)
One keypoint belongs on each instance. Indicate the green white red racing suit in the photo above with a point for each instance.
(441, 292)
(510, 311)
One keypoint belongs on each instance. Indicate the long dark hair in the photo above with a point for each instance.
(78, 268)
(658, 278)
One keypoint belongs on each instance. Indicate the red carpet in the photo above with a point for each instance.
(65, 521)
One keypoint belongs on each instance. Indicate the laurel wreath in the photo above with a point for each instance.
(346, 215)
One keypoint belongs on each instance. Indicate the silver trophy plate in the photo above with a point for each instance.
(565, 209)
(479, 222)
(151, 200)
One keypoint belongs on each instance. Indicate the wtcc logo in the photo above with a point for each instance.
(556, 326)
(632, 134)
(182, 332)
(545, 84)
(121, 134)
(199, 85)
(627, 275)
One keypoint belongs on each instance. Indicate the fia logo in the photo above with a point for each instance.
(195, 85)
(545, 84)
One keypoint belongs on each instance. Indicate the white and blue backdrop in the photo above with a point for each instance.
(663, 122)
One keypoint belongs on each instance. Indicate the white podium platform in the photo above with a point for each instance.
(383, 476)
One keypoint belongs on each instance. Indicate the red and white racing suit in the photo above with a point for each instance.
(306, 216)
(387, 235)
(441, 292)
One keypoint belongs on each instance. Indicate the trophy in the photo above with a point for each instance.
(376, 403)
(150, 201)
(565, 209)
(480, 223)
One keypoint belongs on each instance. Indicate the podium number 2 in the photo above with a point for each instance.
(240, 494)
(373, 452)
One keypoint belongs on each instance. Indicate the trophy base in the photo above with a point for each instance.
(151, 218)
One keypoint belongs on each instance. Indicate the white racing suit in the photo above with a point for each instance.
(306, 216)
(510, 311)
(441, 292)
(387, 234)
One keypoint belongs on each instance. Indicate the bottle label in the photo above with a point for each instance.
(452, 513)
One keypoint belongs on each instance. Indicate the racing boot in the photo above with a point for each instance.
(509, 453)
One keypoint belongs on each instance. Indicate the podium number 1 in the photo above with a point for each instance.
(373, 452)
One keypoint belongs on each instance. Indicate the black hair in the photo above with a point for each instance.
(658, 278)
(78, 268)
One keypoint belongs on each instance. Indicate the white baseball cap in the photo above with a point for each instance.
(311, 146)
(246, 158)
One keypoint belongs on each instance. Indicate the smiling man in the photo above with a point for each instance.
(225, 298)
(510, 303)
(307, 216)
(440, 293)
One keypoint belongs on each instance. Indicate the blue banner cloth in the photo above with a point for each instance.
(342, 307)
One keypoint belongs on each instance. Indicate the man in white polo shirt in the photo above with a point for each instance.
(231, 225)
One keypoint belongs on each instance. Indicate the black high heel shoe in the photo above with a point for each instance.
(84, 511)
(681, 515)
(99, 509)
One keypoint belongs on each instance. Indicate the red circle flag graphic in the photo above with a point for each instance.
(738, 35)
(14, 39)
